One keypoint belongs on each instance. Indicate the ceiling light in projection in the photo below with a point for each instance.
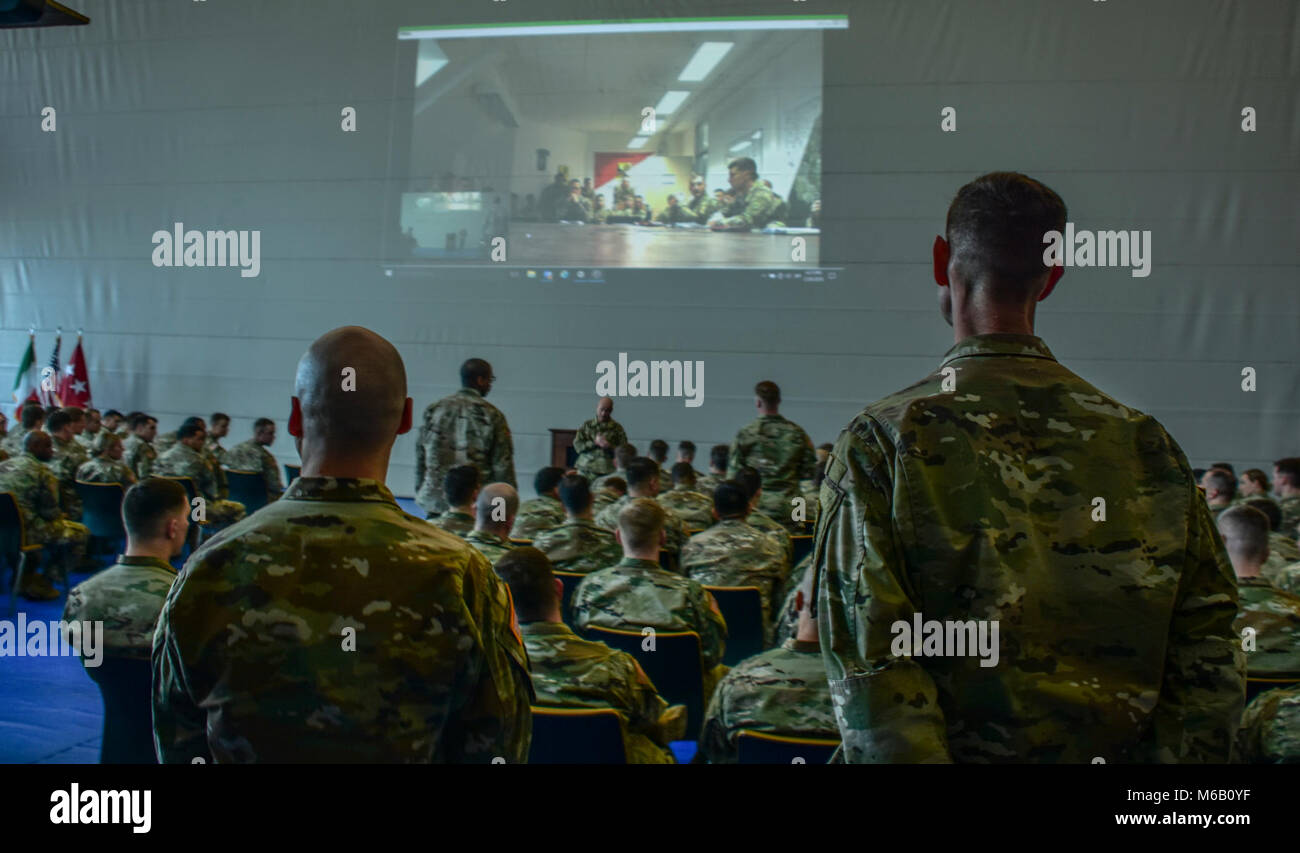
(671, 100)
(706, 58)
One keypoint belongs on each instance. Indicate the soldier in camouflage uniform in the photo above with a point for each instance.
(494, 516)
(1220, 490)
(32, 416)
(93, 427)
(611, 489)
(112, 422)
(573, 207)
(1282, 551)
(731, 553)
(106, 465)
(36, 490)
(596, 439)
(747, 478)
(460, 489)
(694, 509)
(976, 502)
(1271, 614)
(599, 212)
(459, 429)
(331, 626)
(701, 206)
(674, 213)
(788, 615)
(579, 544)
(68, 457)
(623, 454)
(218, 428)
(781, 691)
(1286, 485)
(624, 192)
(706, 483)
(636, 593)
(542, 512)
(252, 455)
(186, 459)
(1270, 728)
(570, 672)
(137, 450)
(755, 205)
(164, 441)
(643, 482)
(779, 450)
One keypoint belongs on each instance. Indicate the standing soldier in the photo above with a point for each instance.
(463, 428)
(978, 493)
(36, 490)
(596, 440)
(331, 626)
(779, 450)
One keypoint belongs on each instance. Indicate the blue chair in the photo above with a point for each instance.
(577, 736)
(570, 581)
(674, 666)
(754, 747)
(803, 545)
(248, 488)
(14, 547)
(125, 685)
(292, 472)
(101, 511)
(742, 608)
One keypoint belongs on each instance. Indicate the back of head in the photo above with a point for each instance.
(104, 442)
(686, 450)
(617, 485)
(1245, 534)
(528, 573)
(74, 413)
(640, 472)
(498, 504)
(189, 428)
(1219, 480)
(641, 521)
(460, 484)
(659, 450)
(768, 393)
(995, 230)
(472, 371)
(750, 480)
(1287, 469)
(149, 503)
(1226, 466)
(718, 454)
(364, 418)
(575, 493)
(32, 416)
(683, 474)
(547, 479)
(1271, 511)
(623, 454)
(731, 500)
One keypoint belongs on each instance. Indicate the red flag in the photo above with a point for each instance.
(74, 387)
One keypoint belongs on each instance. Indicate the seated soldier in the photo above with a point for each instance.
(732, 553)
(187, 459)
(542, 512)
(30, 418)
(686, 453)
(636, 593)
(623, 454)
(706, 483)
(611, 489)
(643, 482)
(1268, 618)
(252, 455)
(106, 465)
(460, 490)
(494, 516)
(138, 451)
(752, 482)
(674, 213)
(570, 672)
(128, 596)
(579, 544)
(68, 457)
(1270, 728)
(1282, 552)
(1220, 489)
(694, 509)
(94, 425)
(788, 622)
(36, 491)
(782, 691)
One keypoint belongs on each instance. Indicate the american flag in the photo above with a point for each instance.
(49, 387)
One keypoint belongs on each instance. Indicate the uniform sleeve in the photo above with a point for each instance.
(862, 592)
(584, 441)
(419, 460)
(713, 631)
(646, 706)
(144, 464)
(47, 498)
(620, 436)
(271, 474)
(808, 467)
(755, 208)
(179, 724)
(1204, 686)
(503, 452)
(716, 744)
(735, 457)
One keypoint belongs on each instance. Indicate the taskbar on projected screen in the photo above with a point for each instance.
(598, 275)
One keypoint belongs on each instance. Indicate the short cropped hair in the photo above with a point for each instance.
(641, 520)
(262, 423)
(547, 479)
(1245, 532)
(768, 392)
(730, 500)
(75, 413)
(57, 420)
(1222, 481)
(749, 480)
(104, 441)
(32, 416)
(718, 455)
(1226, 466)
(575, 493)
(459, 484)
(617, 485)
(1256, 476)
(528, 573)
(472, 370)
(219, 418)
(190, 428)
(659, 450)
(112, 413)
(1271, 511)
(744, 164)
(624, 454)
(148, 503)
(640, 471)
(141, 419)
(683, 473)
(995, 229)
(1288, 467)
(686, 448)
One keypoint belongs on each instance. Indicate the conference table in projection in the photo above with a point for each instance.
(558, 244)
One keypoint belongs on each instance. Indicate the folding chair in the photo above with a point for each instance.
(13, 544)
(742, 608)
(248, 488)
(570, 581)
(803, 545)
(754, 747)
(101, 511)
(291, 472)
(577, 736)
(125, 685)
(674, 666)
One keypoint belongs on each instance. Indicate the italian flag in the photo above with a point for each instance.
(25, 382)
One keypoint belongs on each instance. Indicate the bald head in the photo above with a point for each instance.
(604, 409)
(38, 444)
(351, 389)
(498, 503)
(1245, 535)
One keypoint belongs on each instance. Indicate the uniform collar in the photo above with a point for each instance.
(552, 629)
(802, 646)
(1257, 580)
(341, 489)
(152, 562)
(486, 536)
(473, 392)
(1026, 346)
(455, 513)
(634, 563)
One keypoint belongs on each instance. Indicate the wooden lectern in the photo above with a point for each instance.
(562, 453)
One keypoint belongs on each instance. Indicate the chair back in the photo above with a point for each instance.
(125, 685)
(292, 472)
(101, 509)
(577, 736)
(248, 488)
(1256, 685)
(803, 545)
(570, 581)
(742, 608)
(754, 747)
(673, 665)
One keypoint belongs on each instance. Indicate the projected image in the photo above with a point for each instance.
(616, 145)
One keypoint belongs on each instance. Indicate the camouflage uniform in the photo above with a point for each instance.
(36, 490)
(127, 598)
(1288, 579)
(705, 484)
(1270, 728)
(694, 509)
(781, 691)
(570, 672)
(101, 469)
(541, 513)
(731, 553)
(251, 456)
(671, 215)
(637, 594)
(1116, 637)
(620, 193)
(1290, 516)
(165, 441)
(594, 461)
(755, 209)
(251, 659)
(1275, 616)
(86, 440)
(573, 211)
(1282, 552)
(68, 457)
(138, 455)
(602, 499)
(454, 521)
(579, 546)
(461, 429)
(184, 461)
(674, 529)
(783, 454)
(702, 207)
(598, 484)
(13, 442)
(212, 447)
(787, 620)
(488, 544)
(774, 531)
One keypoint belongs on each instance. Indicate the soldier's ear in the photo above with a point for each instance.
(407, 410)
(942, 253)
(1052, 278)
(559, 590)
(618, 535)
(295, 418)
